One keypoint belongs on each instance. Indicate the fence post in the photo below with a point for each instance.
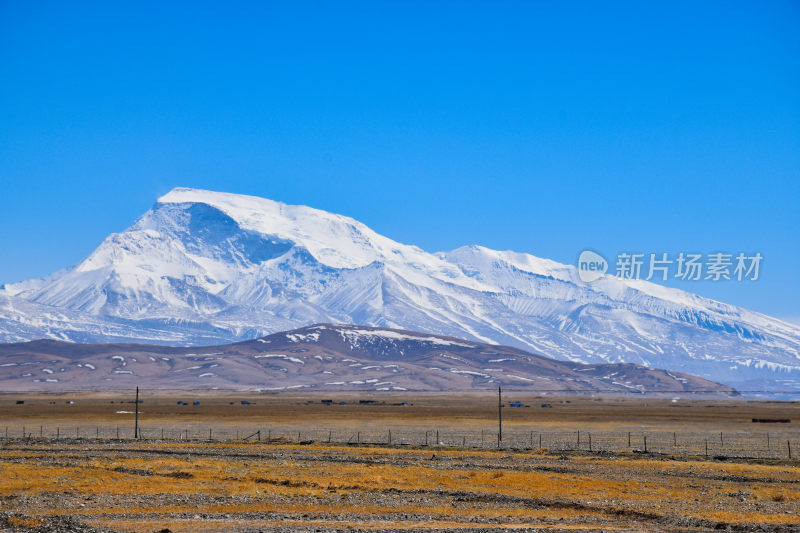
(706, 448)
(437, 437)
(136, 424)
(58, 432)
(579, 438)
(117, 431)
(674, 440)
(41, 431)
(358, 437)
(645, 443)
(629, 439)
(209, 433)
(540, 440)
(97, 432)
(789, 447)
(590, 442)
(426, 438)
(721, 442)
(499, 416)
(390, 436)
(330, 433)
(767, 441)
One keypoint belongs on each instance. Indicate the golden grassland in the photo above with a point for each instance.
(212, 487)
(128, 485)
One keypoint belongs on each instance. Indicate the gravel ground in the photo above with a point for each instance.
(82, 486)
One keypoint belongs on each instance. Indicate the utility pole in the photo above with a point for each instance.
(136, 424)
(499, 416)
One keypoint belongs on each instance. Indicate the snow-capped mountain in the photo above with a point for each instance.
(203, 267)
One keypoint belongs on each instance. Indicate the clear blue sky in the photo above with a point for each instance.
(542, 127)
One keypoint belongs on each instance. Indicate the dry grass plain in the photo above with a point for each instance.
(110, 484)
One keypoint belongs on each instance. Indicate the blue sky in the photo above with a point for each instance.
(542, 127)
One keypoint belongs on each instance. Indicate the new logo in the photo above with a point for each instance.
(591, 266)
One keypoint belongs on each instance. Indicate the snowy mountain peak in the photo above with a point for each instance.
(335, 240)
(203, 267)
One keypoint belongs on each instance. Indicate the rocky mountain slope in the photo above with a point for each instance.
(325, 357)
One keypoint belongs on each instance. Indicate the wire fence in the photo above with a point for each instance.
(751, 445)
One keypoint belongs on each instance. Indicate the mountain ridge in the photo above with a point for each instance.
(203, 267)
